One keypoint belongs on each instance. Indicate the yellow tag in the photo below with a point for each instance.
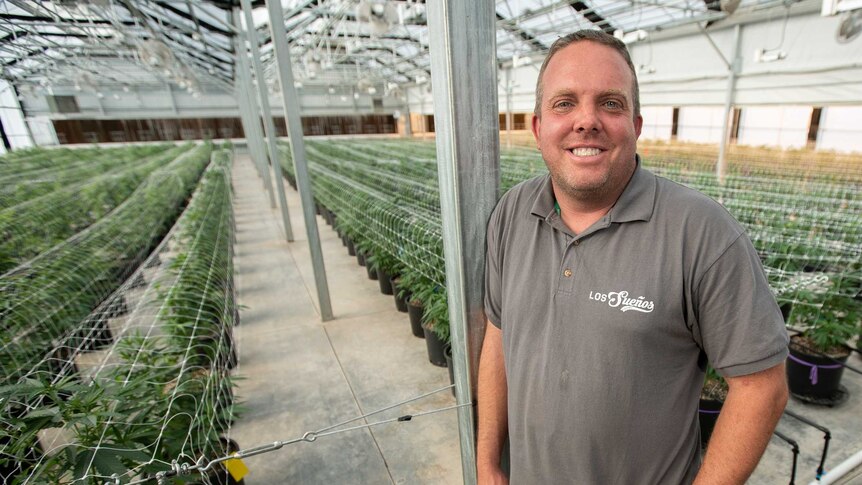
(236, 468)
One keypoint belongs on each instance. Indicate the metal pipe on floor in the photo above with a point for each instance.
(466, 120)
(269, 126)
(297, 149)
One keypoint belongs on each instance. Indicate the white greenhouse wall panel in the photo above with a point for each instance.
(658, 123)
(840, 129)
(781, 126)
(43, 131)
(700, 124)
(12, 119)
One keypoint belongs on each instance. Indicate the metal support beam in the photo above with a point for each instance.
(253, 137)
(242, 102)
(509, 89)
(269, 126)
(466, 119)
(732, 73)
(171, 98)
(297, 150)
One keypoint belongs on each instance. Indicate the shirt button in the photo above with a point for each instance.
(567, 273)
(577, 242)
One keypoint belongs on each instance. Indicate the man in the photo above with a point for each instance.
(607, 291)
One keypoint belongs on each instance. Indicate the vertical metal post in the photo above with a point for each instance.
(733, 70)
(408, 124)
(268, 124)
(466, 119)
(297, 149)
(509, 107)
(255, 142)
(242, 105)
(171, 98)
(248, 121)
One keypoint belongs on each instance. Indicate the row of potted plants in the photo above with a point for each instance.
(386, 204)
(23, 181)
(49, 296)
(36, 225)
(168, 394)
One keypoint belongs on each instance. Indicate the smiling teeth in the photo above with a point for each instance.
(585, 152)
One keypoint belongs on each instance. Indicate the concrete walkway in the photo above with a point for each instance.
(298, 374)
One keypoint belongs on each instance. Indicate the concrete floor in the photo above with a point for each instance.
(298, 374)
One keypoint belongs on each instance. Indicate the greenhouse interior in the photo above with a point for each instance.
(244, 241)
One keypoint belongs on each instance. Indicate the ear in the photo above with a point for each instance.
(537, 124)
(639, 124)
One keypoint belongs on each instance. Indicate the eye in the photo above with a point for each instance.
(563, 104)
(613, 104)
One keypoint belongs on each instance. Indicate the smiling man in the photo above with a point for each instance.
(608, 289)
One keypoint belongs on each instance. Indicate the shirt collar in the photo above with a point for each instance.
(636, 203)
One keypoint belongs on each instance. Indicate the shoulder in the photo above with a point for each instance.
(692, 208)
(519, 199)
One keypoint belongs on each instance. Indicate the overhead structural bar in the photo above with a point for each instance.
(269, 126)
(468, 159)
(297, 150)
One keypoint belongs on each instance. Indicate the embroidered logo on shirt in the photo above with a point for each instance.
(621, 300)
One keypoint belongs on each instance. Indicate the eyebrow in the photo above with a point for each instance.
(607, 92)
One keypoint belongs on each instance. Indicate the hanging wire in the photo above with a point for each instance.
(203, 465)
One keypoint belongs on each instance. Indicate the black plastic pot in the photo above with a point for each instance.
(813, 375)
(351, 248)
(415, 313)
(360, 258)
(372, 273)
(400, 303)
(435, 348)
(384, 280)
(447, 353)
(707, 415)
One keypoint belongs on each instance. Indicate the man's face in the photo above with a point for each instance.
(588, 132)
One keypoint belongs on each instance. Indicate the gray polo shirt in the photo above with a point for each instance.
(606, 333)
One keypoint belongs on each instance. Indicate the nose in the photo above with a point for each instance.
(586, 119)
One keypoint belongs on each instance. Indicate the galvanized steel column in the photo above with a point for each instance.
(466, 119)
(297, 149)
(733, 70)
(268, 124)
(254, 138)
(245, 117)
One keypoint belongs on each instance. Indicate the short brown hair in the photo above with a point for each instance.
(598, 37)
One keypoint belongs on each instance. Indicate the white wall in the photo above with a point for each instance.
(12, 119)
(43, 131)
(781, 126)
(700, 124)
(840, 129)
(658, 122)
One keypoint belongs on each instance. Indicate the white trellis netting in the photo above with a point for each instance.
(22, 180)
(48, 295)
(145, 377)
(803, 216)
(64, 207)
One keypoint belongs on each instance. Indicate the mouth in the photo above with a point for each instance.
(585, 151)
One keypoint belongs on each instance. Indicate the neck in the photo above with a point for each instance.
(582, 209)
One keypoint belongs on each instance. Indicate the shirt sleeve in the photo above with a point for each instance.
(740, 325)
(493, 277)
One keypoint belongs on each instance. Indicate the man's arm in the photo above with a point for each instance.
(493, 417)
(752, 409)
